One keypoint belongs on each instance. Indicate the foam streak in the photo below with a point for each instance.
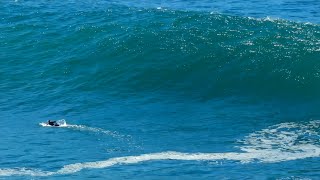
(282, 142)
(63, 124)
(246, 157)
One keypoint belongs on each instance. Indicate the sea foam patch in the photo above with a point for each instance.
(63, 124)
(282, 142)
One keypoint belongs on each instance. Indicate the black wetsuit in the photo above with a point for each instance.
(53, 123)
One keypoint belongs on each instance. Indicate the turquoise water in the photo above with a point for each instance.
(160, 90)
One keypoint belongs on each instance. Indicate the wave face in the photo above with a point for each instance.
(159, 50)
(158, 90)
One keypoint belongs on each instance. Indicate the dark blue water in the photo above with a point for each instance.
(160, 90)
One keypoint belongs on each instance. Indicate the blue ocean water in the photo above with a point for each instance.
(160, 89)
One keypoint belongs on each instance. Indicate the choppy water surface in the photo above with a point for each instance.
(159, 90)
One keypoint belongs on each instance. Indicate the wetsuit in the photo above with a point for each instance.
(53, 123)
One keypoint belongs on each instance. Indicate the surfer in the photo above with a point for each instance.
(52, 123)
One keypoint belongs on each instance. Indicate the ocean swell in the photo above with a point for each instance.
(199, 53)
(166, 51)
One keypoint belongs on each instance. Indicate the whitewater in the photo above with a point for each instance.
(275, 144)
(160, 89)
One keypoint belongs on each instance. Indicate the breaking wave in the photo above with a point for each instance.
(198, 54)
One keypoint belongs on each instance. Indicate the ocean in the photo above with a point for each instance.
(160, 89)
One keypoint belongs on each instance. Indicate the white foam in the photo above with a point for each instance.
(292, 137)
(282, 142)
(73, 168)
(63, 124)
(23, 172)
(263, 156)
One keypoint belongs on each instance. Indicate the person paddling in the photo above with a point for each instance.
(52, 123)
